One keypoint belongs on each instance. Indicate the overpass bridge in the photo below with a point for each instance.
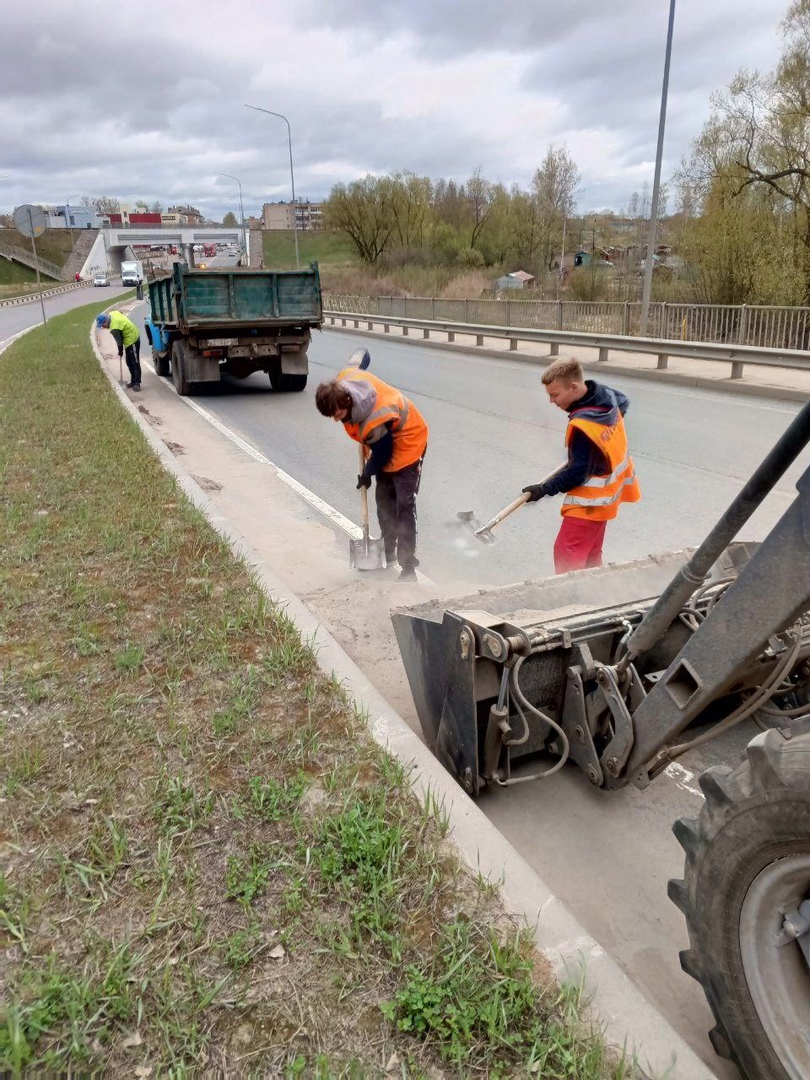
(116, 244)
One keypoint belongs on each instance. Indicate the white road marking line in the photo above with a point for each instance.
(683, 778)
(10, 340)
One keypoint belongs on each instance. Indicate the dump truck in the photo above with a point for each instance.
(207, 323)
(620, 671)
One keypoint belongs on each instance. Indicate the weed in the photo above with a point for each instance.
(178, 806)
(273, 800)
(246, 878)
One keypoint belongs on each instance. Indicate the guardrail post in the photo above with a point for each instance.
(558, 319)
(603, 354)
(626, 319)
(737, 369)
(386, 328)
(425, 333)
(554, 349)
(405, 331)
(512, 343)
(451, 335)
(369, 326)
(332, 320)
(356, 324)
(663, 361)
(743, 331)
(479, 339)
(342, 322)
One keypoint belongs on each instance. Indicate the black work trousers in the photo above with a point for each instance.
(396, 513)
(132, 355)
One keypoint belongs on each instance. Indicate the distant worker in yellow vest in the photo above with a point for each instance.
(395, 436)
(128, 339)
(600, 475)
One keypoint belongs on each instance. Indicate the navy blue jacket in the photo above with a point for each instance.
(601, 405)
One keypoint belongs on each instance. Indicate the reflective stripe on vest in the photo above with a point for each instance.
(407, 424)
(599, 497)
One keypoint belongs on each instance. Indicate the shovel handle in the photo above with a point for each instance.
(524, 498)
(364, 492)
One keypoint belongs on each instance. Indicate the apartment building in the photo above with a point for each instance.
(308, 215)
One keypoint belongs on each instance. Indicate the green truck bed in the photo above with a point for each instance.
(201, 299)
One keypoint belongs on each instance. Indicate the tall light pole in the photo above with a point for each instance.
(281, 116)
(650, 257)
(241, 212)
(67, 209)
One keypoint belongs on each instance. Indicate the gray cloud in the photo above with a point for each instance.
(153, 106)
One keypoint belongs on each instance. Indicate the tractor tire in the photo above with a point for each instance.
(181, 383)
(162, 363)
(747, 866)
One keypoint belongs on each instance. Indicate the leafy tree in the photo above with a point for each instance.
(757, 139)
(365, 210)
(230, 220)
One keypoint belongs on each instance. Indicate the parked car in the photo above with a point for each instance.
(101, 278)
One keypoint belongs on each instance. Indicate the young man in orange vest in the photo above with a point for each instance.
(599, 475)
(395, 435)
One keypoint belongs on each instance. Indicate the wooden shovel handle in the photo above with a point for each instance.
(524, 498)
(363, 491)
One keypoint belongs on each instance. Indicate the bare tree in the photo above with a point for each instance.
(364, 210)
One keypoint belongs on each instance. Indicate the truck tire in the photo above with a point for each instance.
(747, 865)
(162, 363)
(283, 383)
(182, 385)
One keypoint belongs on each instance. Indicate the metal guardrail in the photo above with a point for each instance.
(764, 327)
(15, 300)
(9, 251)
(735, 355)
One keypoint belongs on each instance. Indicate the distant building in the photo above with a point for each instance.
(73, 217)
(518, 279)
(308, 215)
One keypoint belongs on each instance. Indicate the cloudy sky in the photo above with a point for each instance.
(148, 100)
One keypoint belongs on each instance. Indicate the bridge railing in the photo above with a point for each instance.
(764, 327)
(20, 255)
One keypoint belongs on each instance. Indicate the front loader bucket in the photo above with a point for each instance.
(450, 648)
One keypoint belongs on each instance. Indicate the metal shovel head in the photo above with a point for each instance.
(366, 554)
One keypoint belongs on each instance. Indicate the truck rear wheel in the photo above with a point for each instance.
(282, 382)
(747, 872)
(162, 363)
(182, 385)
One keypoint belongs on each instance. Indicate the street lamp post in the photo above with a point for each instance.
(281, 116)
(67, 222)
(241, 212)
(650, 256)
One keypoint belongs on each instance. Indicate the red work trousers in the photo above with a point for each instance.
(578, 544)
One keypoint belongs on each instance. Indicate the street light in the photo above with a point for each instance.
(292, 174)
(241, 212)
(67, 208)
(650, 258)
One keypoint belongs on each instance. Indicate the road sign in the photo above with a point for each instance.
(30, 220)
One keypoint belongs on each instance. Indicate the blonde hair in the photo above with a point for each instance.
(565, 369)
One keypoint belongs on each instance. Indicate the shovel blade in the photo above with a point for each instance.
(366, 554)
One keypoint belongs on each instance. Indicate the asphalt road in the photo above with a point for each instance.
(492, 431)
(606, 855)
(18, 317)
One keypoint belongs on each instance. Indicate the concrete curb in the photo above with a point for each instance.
(675, 378)
(618, 1006)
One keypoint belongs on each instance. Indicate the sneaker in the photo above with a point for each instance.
(137, 387)
(129, 386)
(407, 575)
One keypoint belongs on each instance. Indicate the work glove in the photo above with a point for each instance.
(363, 481)
(535, 492)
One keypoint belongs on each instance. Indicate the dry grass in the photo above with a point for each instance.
(208, 865)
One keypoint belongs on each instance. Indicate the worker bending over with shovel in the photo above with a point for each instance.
(600, 474)
(128, 339)
(394, 435)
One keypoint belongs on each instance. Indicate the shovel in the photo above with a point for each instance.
(484, 532)
(366, 554)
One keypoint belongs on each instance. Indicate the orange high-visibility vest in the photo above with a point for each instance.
(407, 424)
(598, 499)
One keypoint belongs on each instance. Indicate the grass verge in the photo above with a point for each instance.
(208, 865)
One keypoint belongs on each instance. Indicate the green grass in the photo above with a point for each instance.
(208, 864)
(55, 245)
(330, 248)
